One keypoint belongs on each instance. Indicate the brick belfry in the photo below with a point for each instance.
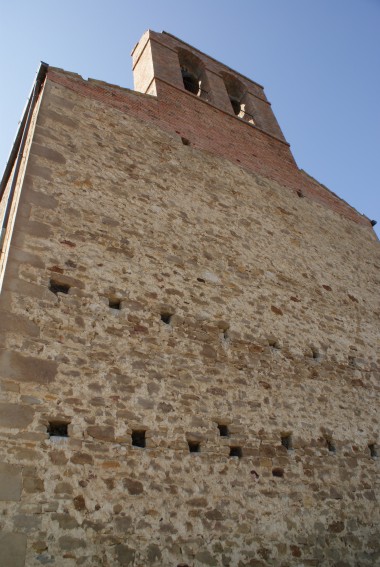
(189, 332)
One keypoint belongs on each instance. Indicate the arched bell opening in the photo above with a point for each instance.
(190, 81)
(193, 74)
(239, 98)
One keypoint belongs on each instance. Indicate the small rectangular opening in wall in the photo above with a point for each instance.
(185, 141)
(223, 430)
(372, 450)
(279, 473)
(166, 318)
(194, 446)
(114, 303)
(58, 428)
(315, 354)
(139, 438)
(286, 441)
(275, 345)
(58, 287)
(330, 445)
(236, 452)
(225, 335)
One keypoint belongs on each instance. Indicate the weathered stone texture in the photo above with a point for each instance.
(12, 549)
(26, 368)
(15, 416)
(199, 294)
(10, 482)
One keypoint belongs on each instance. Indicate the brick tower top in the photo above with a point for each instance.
(216, 109)
(161, 58)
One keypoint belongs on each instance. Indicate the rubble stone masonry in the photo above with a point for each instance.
(189, 350)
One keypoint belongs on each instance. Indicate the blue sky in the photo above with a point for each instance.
(317, 59)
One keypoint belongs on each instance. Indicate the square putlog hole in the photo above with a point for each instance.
(274, 345)
(194, 447)
(373, 450)
(225, 335)
(58, 287)
(114, 303)
(166, 318)
(277, 472)
(316, 355)
(58, 429)
(287, 442)
(330, 446)
(139, 438)
(223, 430)
(236, 452)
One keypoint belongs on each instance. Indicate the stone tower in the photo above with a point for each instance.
(189, 346)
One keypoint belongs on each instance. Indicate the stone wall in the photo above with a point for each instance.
(207, 306)
(206, 127)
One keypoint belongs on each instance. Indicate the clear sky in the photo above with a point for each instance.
(317, 59)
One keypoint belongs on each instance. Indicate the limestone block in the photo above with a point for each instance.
(125, 555)
(102, 433)
(10, 482)
(15, 415)
(48, 153)
(29, 289)
(12, 549)
(10, 322)
(27, 368)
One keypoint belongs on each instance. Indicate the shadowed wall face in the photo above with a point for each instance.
(188, 353)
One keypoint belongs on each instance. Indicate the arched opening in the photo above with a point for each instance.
(239, 98)
(190, 82)
(193, 74)
(236, 105)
